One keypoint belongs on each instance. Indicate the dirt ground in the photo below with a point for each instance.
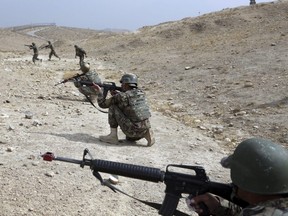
(211, 82)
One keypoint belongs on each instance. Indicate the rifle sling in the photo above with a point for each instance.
(94, 104)
(151, 204)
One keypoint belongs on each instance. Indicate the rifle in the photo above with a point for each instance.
(27, 45)
(73, 78)
(106, 85)
(176, 183)
(44, 46)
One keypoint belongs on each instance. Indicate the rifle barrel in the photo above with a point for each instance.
(69, 160)
(129, 170)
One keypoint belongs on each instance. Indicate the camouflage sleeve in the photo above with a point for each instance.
(119, 99)
(222, 210)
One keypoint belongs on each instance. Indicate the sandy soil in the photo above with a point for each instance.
(211, 82)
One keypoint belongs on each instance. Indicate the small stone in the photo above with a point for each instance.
(10, 128)
(36, 123)
(28, 115)
(10, 149)
(50, 174)
(202, 127)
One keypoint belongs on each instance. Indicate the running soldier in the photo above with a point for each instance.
(81, 53)
(52, 51)
(129, 110)
(35, 52)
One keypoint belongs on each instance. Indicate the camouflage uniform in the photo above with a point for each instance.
(130, 111)
(35, 51)
(52, 52)
(277, 207)
(89, 91)
(81, 53)
(259, 166)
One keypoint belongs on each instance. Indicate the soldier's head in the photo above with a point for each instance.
(130, 79)
(259, 166)
(49, 42)
(33, 43)
(75, 46)
(85, 67)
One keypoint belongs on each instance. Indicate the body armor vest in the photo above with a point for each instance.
(137, 109)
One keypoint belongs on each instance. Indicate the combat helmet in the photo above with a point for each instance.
(259, 166)
(85, 67)
(33, 43)
(129, 78)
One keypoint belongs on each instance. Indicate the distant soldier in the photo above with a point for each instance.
(252, 2)
(81, 53)
(52, 52)
(35, 50)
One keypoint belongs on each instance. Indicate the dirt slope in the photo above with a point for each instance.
(211, 81)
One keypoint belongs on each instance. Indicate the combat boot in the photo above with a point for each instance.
(110, 138)
(149, 136)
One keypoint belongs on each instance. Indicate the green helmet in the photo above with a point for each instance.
(85, 67)
(259, 166)
(129, 78)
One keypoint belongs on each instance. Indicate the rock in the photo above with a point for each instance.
(218, 129)
(4, 115)
(202, 127)
(248, 85)
(227, 140)
(241, 113)
(50, 174)
(11, 128)
(10, 149)
(28, 115)
(36, 123)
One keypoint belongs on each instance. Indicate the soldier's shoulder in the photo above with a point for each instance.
(278, 207)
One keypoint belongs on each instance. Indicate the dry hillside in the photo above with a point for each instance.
(227, 69)
(211, 82)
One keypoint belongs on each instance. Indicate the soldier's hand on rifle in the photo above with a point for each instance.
(97, 88)
(203, 203)
(114, 92)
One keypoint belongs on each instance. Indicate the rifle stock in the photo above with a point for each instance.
(176, 183)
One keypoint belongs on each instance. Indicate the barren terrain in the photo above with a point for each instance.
(211, 81)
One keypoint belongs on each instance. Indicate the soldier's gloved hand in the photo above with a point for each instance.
(97, 88)
(204, 203)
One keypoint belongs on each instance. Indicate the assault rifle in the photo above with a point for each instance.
(28, 45)
(106, 85)
(176, 183)
(44, 47)
(73, 78)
